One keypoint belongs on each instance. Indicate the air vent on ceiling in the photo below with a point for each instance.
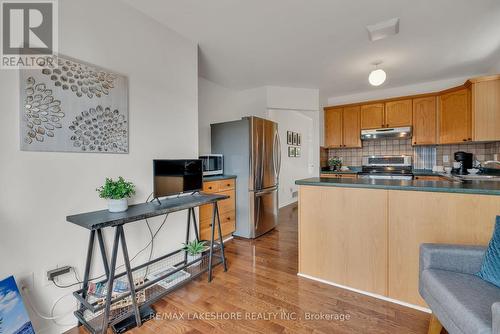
(383, 29)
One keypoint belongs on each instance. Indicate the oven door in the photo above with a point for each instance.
(213, 164)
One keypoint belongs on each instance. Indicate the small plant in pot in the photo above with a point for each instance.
(194, 250)
(335, 163)
(117, 193)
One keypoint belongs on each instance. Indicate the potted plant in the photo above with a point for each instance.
(194, 250)
(116, 192)
(335, 163)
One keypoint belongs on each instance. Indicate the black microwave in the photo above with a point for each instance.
(213, 164)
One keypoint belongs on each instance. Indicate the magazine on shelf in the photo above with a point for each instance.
(170, 280)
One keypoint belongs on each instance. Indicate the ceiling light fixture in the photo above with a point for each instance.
(377, 76)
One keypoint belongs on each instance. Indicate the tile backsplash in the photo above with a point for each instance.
(423, 156)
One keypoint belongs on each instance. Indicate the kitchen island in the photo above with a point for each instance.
(365, 234)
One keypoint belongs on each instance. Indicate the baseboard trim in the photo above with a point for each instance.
(374, 295)
(227, 239)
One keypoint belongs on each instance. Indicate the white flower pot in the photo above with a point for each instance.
(191, 258)
(117, 205)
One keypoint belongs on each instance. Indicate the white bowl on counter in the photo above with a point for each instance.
(472, 171)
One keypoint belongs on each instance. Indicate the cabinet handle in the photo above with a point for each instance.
(210, 187)
(228, 218)
(464, 139)
(229, 184)
(469, 138)
(414, 143)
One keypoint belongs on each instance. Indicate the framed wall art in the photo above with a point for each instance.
(73, 106)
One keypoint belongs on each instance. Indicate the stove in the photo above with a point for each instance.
(387, 167)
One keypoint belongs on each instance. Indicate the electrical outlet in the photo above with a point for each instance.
(26, 280)
(446, 158)
(44, 279)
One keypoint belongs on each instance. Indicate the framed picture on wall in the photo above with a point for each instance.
(297, 152)
(289, 137)
(294, 140)
(299, 139)
(291, 151)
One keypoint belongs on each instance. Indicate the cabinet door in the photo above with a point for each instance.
(351, 127)
(372, 116)
(454, 117)
(398, 113)
(333, 127)
(424, 121)
(486, 110)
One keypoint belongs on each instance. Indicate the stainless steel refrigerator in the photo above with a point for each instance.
(251, 149)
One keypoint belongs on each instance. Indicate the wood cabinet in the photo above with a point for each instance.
(343, 236)
(227, 208)
(486, 109)
(424, 121)
(447, 218)
(398, 113)
(351, 127)
(432, 178)
(333, 127)
(454, 117)
(372, 116)
(342, 127)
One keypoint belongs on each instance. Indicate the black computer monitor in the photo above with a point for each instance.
(172, 177)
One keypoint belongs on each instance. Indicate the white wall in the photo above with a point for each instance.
(38, 190)
(496, 68)
(221, 104)
(383, 93)
(293, 168)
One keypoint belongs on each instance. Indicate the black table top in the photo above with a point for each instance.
(103, 218)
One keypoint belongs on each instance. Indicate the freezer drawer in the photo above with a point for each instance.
(263, 211)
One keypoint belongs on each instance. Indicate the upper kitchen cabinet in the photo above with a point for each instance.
(351, 127)
(372, 116)
(486, 108)
(424, 121)
(454, 117)
(333, 127)
(342, 127)
(398, 113)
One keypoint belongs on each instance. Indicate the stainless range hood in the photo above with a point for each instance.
(395, 133)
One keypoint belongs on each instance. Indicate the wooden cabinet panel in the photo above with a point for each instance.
(228, 226)
(343, 236)
(398, 113)
(447, 218)
(333, 127)
(351, 120)
(211, 186)
(424, 121)
(227, 208)
(454, 117)
(372, 116)
(486, 110)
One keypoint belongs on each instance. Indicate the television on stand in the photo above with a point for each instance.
(176, 177)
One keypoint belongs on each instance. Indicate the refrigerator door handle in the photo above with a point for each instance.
(277, 155)
(265, 191)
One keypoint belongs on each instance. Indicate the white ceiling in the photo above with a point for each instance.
(324, 44)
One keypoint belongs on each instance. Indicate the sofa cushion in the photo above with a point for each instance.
(465, 298)
(490, 269)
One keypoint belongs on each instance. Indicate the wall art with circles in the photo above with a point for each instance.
(73, 106)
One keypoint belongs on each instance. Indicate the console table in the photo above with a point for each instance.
(171, 271)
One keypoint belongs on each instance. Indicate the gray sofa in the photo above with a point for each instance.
(462, 302)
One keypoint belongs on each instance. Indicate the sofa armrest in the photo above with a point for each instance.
(495, 310)
(457, 258)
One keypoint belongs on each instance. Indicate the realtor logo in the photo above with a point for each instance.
(29, 33)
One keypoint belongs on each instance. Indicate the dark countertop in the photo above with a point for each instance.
(352, 170)
(103, 218)
(218, 177)
(483, 188)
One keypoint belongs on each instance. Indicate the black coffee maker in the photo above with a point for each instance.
(465, 160)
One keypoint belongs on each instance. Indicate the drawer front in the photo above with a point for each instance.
(226, 184)
(211, 186)
(227, 224)
(224, 205)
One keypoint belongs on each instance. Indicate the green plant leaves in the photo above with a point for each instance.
(195, 247)
(116, 189)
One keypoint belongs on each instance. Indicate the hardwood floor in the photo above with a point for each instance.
(262, 281)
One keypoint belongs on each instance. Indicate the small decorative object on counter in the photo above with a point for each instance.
(194, 250)
(335, 164)
(117, 193)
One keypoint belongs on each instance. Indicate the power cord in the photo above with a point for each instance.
(26, 296)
